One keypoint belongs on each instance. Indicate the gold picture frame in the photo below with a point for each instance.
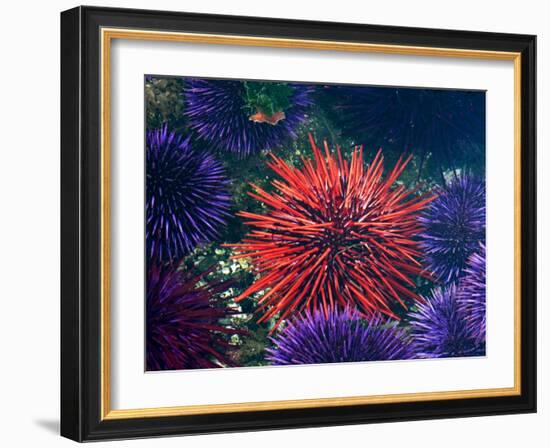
(106, 33)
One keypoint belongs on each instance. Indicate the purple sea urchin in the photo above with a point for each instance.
(183, 329)
(342, 336)
(411, 119)
(217, 112)
(439, 328)
(472, 293)
(186, 196)
(454, 225)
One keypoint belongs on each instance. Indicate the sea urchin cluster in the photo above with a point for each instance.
(186, 199)
(342, 336)
(183, 329)
(454, 226)
(330, 254)
(217, 112)
(334, 235)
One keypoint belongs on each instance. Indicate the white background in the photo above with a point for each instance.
(133, 388)
(29, 237)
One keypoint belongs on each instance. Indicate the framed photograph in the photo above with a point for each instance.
(275, 224)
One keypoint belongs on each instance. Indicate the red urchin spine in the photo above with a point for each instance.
(335, 235)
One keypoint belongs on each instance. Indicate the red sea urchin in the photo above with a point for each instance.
(336, 234)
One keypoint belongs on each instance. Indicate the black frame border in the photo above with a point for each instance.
(81, 224)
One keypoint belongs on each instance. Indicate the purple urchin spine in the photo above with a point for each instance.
(418, 120)
(342, 336)
(472, 294)
(187, 199)
(183, 314)
(439, 328)
(453, 227)
(216, 111)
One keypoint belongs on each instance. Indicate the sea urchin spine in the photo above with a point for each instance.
(187, 198)
(472, 293)
(217, 112)
(439, 327)
(183, 329)
(454, 226)
(342, 336)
